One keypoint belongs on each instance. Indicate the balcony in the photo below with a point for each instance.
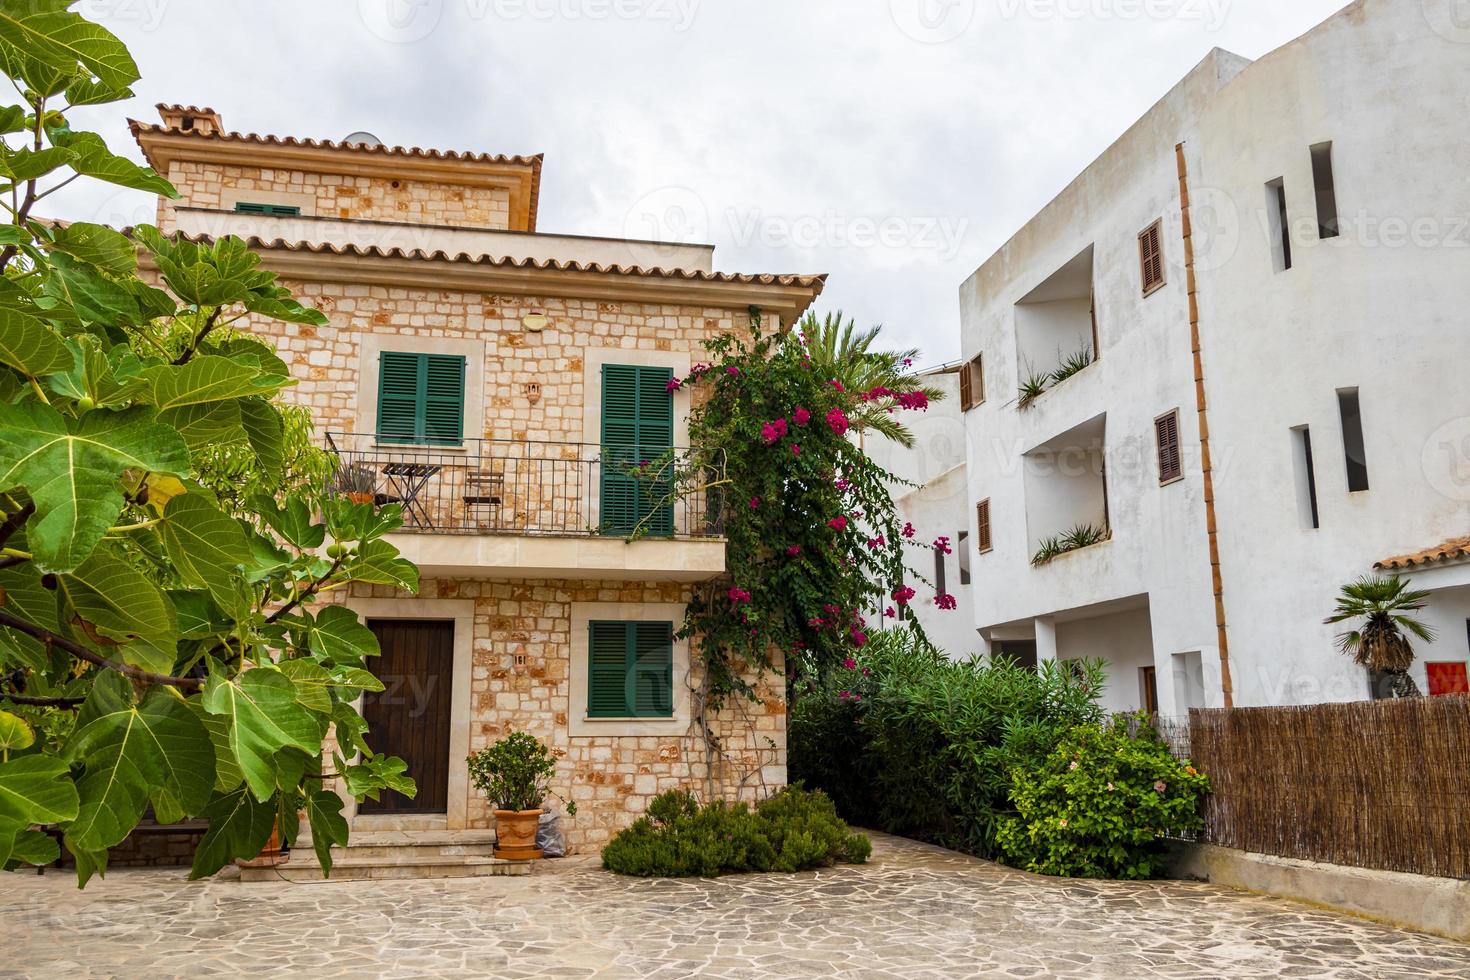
(488, 508)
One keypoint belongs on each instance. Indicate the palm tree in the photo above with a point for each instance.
(1383, 605)
(846, 354)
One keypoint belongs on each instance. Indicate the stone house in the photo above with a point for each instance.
(499, 382)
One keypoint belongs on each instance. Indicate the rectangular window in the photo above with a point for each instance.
(637, 428)
(964, 553)
(1447, 678)
(1151, 256)
(939, 582)
(421, 398)
(1280, 223)
(982, 526)
(630, 670)
(275, 210)
(1326, 189)
(1166, 437)
(1352, 438)
(972, 383)
(1306, 477)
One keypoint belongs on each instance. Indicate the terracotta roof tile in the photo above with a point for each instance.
(190, 110)
(1455, 549)
(813, 282)
(139, 128)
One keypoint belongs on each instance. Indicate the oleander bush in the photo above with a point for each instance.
(793, 830)
(1101, 805)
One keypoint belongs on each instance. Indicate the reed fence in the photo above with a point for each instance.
(1372, 784)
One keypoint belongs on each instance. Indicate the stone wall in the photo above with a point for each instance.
(325, 195)
(610, 777)
(328, 361)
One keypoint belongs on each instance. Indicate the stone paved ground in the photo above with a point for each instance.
(915, 912)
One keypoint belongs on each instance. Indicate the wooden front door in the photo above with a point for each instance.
(409, 718)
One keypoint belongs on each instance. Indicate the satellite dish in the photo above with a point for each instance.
(362, 139)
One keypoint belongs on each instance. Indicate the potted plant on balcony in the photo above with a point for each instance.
(358, 482)
(513, 774)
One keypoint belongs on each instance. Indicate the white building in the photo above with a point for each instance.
(930, 493)
(1293, 233)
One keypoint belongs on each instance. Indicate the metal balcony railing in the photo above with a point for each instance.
(495, 486)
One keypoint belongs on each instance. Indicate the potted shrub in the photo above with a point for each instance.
(513, 774)
(358, 482)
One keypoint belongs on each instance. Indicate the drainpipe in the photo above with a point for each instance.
(1227, 686)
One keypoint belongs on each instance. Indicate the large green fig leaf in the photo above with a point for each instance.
(33, 789)
(328, 826)
(117, 602)
(239, 826)
(155, 751)
(29, 346)
(72, 468)
(207, 547)
(49, 33)
(264, 717)
(208, 378)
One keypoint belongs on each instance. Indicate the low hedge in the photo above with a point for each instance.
(793, 830)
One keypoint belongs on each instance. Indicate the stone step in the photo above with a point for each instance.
(402, 867)
(303, 854)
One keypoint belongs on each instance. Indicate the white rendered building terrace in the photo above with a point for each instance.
(1269, 274)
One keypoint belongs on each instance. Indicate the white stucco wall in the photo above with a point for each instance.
(1383, 313)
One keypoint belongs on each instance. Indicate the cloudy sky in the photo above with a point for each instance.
(891, 143)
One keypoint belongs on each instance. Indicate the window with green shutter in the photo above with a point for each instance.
(630, 670)
(275, 210)
(421, 398)
(637, 429)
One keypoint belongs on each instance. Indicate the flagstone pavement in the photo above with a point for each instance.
(913, 912)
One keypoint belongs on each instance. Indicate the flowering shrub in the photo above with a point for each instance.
(1100, 805)
(906, 740)
(791, 831)
(812, 551)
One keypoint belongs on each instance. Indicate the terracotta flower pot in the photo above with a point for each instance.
(515, 834)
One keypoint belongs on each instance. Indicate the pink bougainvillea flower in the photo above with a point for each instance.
(831, 610)
(890, 613)
(838, 385)
(849, 664)
(794, 550)
(755, 502)
(908, 530)
(739, 596)
(838, 524)
(845, 695)
(913, 400)
(903, 594)
(699, 369)
(945, 601)
(795, 449)
(769, 435)
(816, 622)
(908, 362)
(941, 544)
(732, 370)
(873, 394)
(867, 672)
(842, 485)
(1160, 786)
(838, 421)
(859, 638)
(801, 416)
(875, 543)
(674, 385)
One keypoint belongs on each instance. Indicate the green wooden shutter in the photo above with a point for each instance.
(630, 670)
(653, 669)
(443, 399)
(607, 662)
(637, 427)
(421, 398)
(278, 210)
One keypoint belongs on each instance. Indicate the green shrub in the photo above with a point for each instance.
(792, 831)
(923, 746)
(1101, 804)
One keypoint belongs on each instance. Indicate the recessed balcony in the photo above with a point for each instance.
(488, 508)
